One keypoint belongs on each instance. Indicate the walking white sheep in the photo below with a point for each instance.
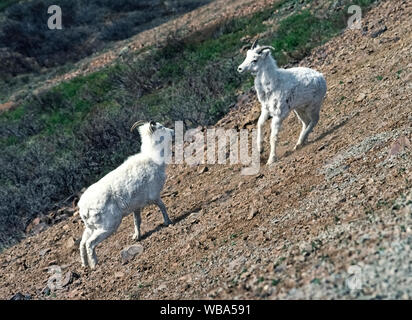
(129, 188)
(281, 90)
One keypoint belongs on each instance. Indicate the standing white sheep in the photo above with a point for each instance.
(129, 188)
(281, 90)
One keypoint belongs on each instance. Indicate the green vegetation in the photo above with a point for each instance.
(63, 139)
(6, 3)
(275, 282)
(87, 26)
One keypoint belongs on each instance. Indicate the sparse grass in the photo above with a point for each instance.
(275, 282)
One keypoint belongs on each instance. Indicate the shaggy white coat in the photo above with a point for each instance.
(135, 184)
(281, 90)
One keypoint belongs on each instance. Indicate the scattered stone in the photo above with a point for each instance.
(379, 32)
(46, 291)
(399, 145)
(68, 278)
(290, 283)
(44, 252)
(361, 97)
(119, 275)
(130, 252)
(71, 243)
(253, 212)
(235, 264)
(20, 296)
(186, 278)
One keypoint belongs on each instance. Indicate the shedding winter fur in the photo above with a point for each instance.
(135, 184)
(282, 90)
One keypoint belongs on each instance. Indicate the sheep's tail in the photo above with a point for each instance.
(84, 213)
(321, 84)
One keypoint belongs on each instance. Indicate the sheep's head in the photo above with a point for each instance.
(153, 130)
(254, 58)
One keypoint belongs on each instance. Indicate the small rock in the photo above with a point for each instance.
(70, 243)
(44, 251)
(186, 278)
(162, 287)
(399, 145)
(290, 283)
(235, 264)
(119, 275)
(253, 212)
(68, 278)
(130, 252)
(124, 51)
(379, 32)
(20, 296)
(46, 291)
(361, 97)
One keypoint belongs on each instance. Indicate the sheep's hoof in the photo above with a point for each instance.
(271, 161)
(136, 237)
(298, 146)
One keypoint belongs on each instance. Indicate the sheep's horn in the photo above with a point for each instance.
(254, 44)
(263, 48)
(136, 124)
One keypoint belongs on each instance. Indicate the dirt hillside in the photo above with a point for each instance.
(291, 231)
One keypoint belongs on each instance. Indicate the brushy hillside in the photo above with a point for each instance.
(88, 26)
(61, 140)
(293, 230)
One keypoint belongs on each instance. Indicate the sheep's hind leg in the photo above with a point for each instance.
(83, 254)
(305, 123)
(137, 221)
(313, 115)
(91, 244)
(162, 208)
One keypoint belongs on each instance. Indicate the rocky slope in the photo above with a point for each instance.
(291, 231)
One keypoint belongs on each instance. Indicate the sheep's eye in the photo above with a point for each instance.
(254, 61)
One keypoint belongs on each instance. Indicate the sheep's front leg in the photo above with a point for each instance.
(83, 254)
(162, 208)
(137, 221)
(275, 127)
(91, 243)
(262, 119)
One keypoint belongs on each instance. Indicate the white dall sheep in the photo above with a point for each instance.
(129, 188)
(281, 90)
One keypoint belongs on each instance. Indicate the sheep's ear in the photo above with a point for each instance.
(265, 52)
(245, 48)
